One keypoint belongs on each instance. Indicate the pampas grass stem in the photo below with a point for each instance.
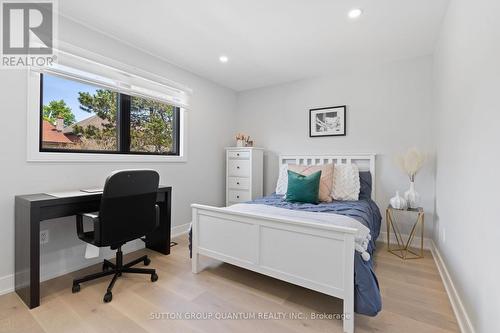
(411, 162)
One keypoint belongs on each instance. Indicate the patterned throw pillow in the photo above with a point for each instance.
(326, 180)
(346, 185)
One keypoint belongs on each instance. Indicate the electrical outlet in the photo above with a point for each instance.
(44, 236)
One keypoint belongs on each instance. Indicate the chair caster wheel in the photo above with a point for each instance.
(108, 297)
(76, 288)
(154, 277)
(147, 261)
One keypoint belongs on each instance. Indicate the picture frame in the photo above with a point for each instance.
(328, 121)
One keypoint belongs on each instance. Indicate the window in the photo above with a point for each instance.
(152, 126)
(84, 118)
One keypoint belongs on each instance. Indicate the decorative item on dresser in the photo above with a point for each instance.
(244, 174)
(411, 163)
(243, 140)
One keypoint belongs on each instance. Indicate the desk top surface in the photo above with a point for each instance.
(67, 196)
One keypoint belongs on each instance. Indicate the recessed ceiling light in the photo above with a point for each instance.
(355, 13)
(223, 59)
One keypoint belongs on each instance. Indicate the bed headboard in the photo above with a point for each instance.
(365, 162)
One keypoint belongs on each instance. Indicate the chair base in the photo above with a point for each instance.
(108, 268)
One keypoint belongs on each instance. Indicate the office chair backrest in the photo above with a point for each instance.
(127, 206)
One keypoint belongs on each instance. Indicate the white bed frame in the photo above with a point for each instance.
(315, 256)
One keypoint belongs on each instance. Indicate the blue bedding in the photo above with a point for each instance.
(367, 298)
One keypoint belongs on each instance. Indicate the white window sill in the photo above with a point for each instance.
(102, 158)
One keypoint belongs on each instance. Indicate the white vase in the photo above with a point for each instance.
(240, 143)
(398, 202)
(412, 197)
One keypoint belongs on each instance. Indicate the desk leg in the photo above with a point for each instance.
(27, 254)
(159, 239)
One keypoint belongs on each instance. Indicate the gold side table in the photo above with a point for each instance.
(403, 249)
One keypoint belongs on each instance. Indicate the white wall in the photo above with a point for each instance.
(201, 179)
(389, 110)
(467, 86)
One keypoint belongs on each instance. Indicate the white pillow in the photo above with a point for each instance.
(282, 184)
(346, 185)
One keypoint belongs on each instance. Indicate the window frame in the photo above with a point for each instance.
(123, 138)
(33, 133)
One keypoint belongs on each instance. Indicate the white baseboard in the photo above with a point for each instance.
(416, 240)
(463, 319)
(180, 230)
(7, 282)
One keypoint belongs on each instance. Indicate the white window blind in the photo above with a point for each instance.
(88, 71)
(93, 68)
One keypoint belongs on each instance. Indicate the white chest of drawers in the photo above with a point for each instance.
(244, 174)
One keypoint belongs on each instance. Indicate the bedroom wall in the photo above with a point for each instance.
(467, 81)
(389, 111)
(207, 136)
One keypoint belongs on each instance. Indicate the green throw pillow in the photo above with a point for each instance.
(303, 188)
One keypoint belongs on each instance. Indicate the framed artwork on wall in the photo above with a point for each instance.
(329, 121)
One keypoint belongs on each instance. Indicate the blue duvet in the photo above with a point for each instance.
(367, 298)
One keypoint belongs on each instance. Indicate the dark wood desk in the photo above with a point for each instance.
(31, 209)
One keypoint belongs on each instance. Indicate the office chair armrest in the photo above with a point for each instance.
(93, 216)
(79, 222)
(157, 208)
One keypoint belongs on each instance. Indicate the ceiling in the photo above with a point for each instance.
(267, 41)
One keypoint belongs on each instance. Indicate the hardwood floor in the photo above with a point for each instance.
(413, 296)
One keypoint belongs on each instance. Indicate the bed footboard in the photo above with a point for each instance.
(315, 256)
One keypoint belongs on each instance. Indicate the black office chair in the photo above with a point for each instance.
(128, 211)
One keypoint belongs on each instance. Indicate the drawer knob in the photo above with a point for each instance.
(237, 183)
(238, 196)
(237, 167)
(238, 154)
